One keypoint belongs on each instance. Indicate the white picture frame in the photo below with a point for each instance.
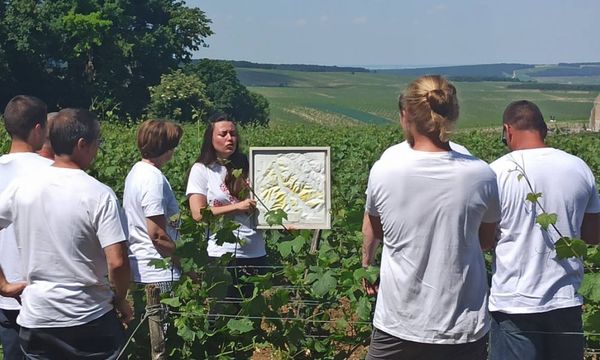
(294, 179)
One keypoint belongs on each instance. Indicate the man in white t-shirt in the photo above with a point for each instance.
(71, 239)
(533, 300)
(25, 122)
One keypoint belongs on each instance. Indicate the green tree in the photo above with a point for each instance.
(70, 52)
(228, 94)
(179, 97)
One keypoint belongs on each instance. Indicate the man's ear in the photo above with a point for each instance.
(81, 143)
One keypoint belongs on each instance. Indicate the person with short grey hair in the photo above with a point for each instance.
(70, 233)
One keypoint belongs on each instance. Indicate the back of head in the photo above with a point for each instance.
(156, 137)
(70, 125)
(22, 114)
(524, 115)
(432, 105)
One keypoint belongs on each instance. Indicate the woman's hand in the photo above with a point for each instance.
(246, 206)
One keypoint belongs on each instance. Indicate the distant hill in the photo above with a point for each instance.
(565, 69)
(295, 67)
(263, 78)
(492, 71)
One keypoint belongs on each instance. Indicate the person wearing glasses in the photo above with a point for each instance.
(69, 230)
(534, 303)
(434, 210)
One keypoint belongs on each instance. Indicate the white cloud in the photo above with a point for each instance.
(300, 22)
(324, 18)
(360, 20)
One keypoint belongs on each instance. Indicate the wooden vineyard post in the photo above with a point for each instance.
(157, 337)
(314, 243)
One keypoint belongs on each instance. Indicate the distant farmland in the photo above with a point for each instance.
(354, 98)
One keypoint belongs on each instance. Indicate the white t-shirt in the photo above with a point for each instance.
(433, 283)
(63, 219)
(527, 276)
(395, 149)
(208, 181)
(13, 166)
(148, 193)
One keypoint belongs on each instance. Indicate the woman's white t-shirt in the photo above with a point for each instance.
(433, 285)
(148, 193)
(209, 181)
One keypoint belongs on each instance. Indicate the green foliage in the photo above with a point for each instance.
(546, 220)
(228, 94)
(322, 289)
(69, 52)
(179, 97)
(567, 248)
(275, 217)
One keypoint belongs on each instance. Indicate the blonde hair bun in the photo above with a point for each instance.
(432, 104)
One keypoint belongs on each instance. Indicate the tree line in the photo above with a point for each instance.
(118, 58)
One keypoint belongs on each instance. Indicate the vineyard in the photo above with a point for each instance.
(371, 98)
(306, 305)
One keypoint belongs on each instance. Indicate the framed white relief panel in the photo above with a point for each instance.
(296, 180)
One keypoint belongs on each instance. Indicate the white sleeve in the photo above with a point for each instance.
(493, 212)
(6, 206)
(108, 224)
(198, 180)
(370, 205)
(152, 199)
(593, 206)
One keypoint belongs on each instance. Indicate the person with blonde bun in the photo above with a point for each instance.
(434, 210)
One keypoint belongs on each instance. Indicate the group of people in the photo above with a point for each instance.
(434, 207)
(69, 253)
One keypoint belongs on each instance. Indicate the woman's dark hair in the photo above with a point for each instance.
(237, 186)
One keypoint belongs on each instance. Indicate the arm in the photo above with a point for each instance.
(157, 231)
(198, 202)
(372, 235)
(119, 274)
(487, 236)
(590, 228)
(10, 289)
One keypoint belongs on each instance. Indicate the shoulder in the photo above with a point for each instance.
(395, 150)
(459, 148)
(477, 166)
(577, 161)
(143, 176)
(96, 187)
(503, 163)
(200, 169)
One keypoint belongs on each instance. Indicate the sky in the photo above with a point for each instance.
(403, 33)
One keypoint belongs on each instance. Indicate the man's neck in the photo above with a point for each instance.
(65, 161)
(20, 146)
(528, 140)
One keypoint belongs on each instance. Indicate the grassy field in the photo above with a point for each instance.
(349, 99)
